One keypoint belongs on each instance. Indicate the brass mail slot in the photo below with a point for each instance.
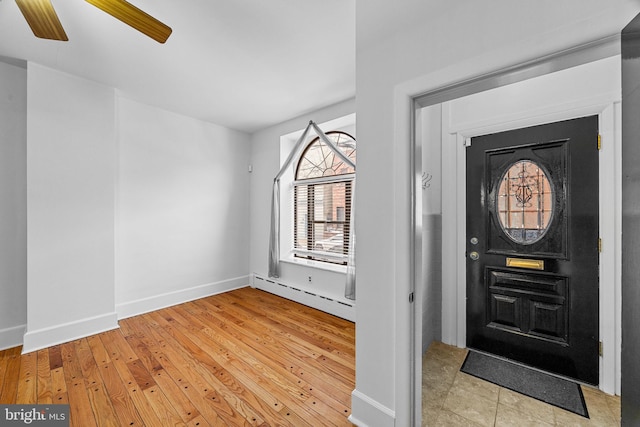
(533, 264)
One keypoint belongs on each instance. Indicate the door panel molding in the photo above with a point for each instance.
(538, 296)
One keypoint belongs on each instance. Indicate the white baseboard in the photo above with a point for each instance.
(12, 337)
(345, 310)
(156, 302)
(58, 334)
(367, 412)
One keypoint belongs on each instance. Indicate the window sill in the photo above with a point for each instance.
(316, 264)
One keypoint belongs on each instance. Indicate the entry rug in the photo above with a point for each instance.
(555, 391)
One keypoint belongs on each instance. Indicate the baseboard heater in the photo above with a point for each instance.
(328, 305)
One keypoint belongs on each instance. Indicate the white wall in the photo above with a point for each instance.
(129, 208)
(70, 204)
(430, 289)
(425, 52)
(182, 208)
(267, 156)
(13, 206)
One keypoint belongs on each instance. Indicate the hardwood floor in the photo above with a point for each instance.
(245, 357)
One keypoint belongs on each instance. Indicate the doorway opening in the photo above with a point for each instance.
(445, 122)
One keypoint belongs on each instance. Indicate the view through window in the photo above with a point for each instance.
(322, 200)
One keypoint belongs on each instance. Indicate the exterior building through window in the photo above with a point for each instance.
(322, 200)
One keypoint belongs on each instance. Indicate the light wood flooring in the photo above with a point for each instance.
(240, 358)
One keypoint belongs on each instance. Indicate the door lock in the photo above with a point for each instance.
(474, 256)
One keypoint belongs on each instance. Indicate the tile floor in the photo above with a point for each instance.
(453, 398)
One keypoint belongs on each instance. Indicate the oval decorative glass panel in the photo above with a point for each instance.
(525, 202)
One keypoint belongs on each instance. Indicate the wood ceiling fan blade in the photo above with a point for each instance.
(134, 17)
(42, 19)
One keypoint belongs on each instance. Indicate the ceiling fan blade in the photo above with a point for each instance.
(42, 19)
(134, 17)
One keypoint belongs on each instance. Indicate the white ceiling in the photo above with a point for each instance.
(243, 64)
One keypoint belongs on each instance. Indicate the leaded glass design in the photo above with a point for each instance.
(525, 202)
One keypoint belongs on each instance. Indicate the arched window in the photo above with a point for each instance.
(322, 200)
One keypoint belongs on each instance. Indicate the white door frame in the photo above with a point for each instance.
(453, 161)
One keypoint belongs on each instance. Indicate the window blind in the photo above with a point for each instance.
(322, 212)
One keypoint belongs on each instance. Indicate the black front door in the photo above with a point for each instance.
(532, 246)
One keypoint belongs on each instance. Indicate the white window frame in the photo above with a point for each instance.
(338, 260)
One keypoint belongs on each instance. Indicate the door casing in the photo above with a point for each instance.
(607, 107)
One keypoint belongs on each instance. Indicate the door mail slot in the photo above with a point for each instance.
(532, 264)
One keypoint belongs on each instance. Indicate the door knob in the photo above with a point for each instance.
(474, 255)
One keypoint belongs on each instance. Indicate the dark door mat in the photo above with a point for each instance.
(555, 391)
